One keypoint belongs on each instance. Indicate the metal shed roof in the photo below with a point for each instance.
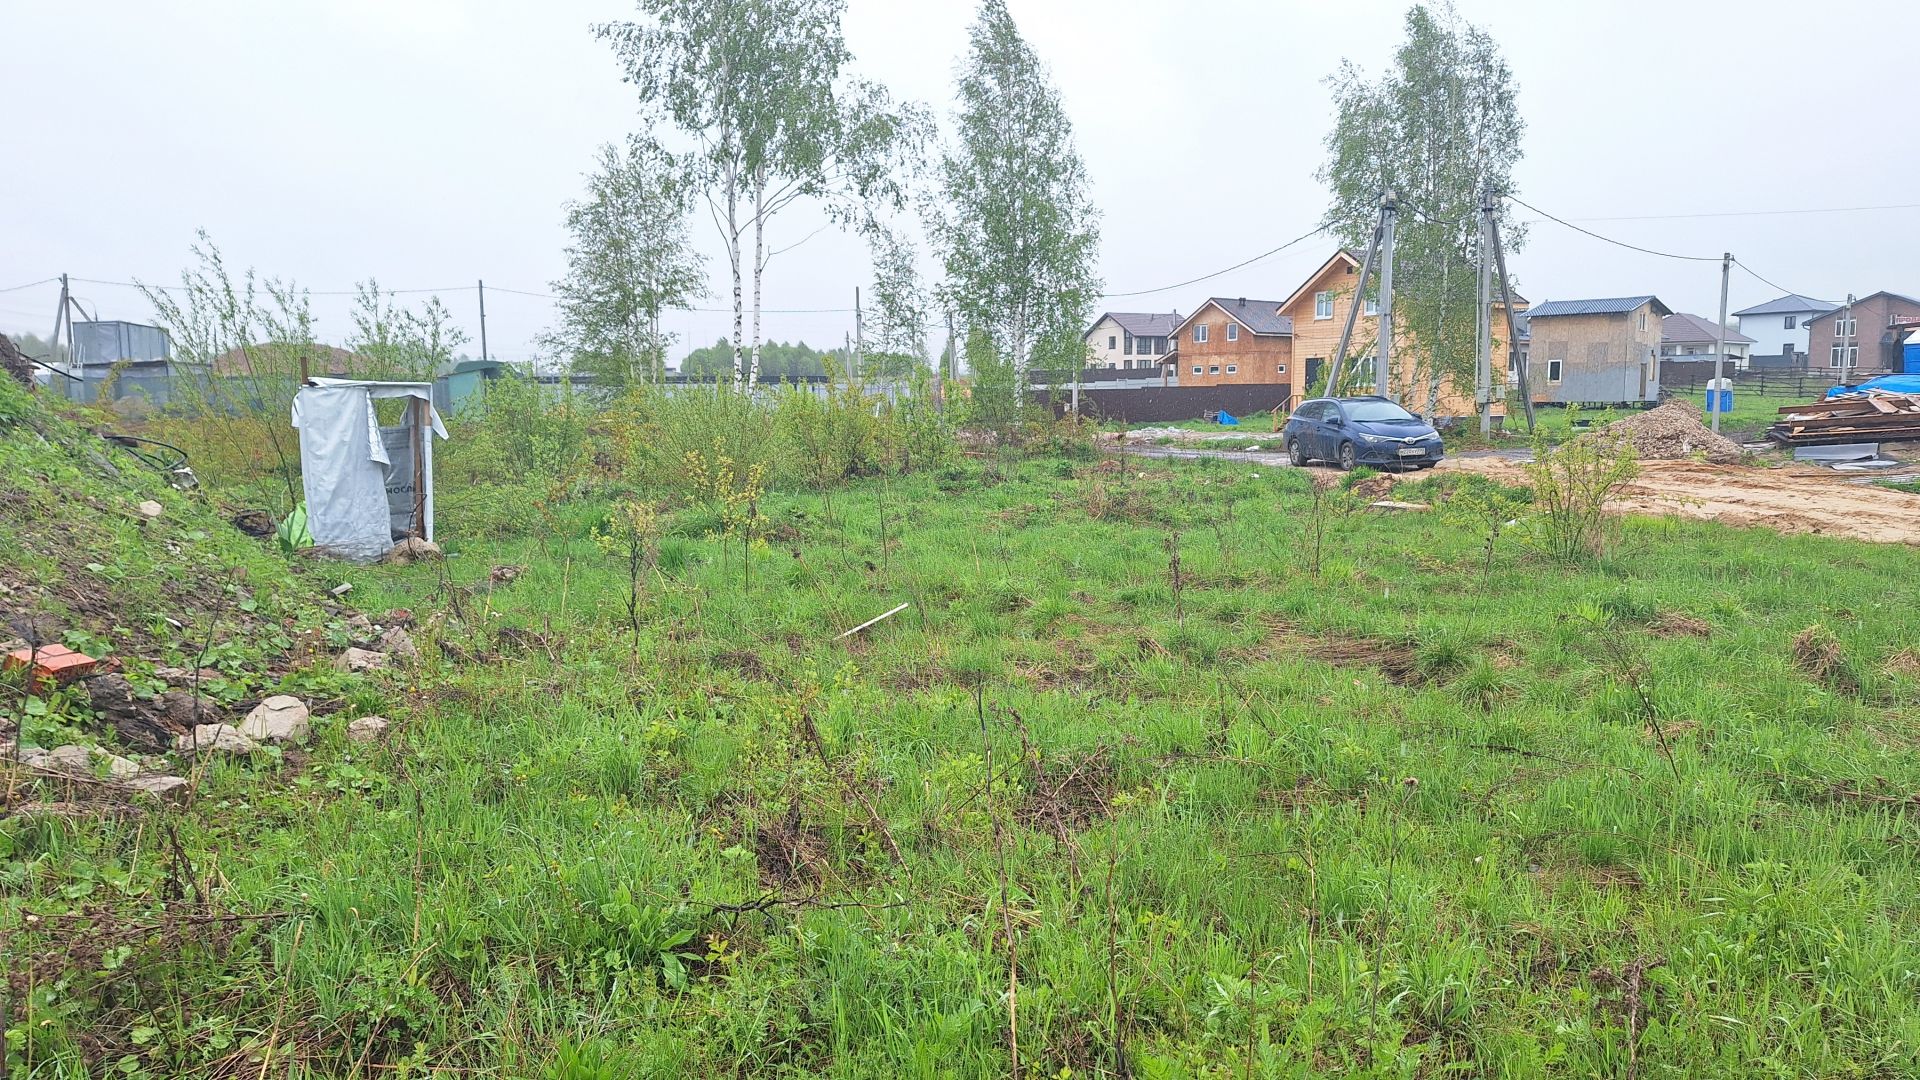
(1614, 305)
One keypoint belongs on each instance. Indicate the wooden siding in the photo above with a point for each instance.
(1261, 359)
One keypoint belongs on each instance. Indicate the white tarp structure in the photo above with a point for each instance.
(366, 486)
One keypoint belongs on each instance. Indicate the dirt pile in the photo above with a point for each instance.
(1673, 431)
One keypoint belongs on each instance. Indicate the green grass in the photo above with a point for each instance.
(1412, 816)
(1750, 416)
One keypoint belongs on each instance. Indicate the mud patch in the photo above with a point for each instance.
(1680, 624)
(791, 853)
(1068, 795)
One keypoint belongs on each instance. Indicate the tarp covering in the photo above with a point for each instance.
(1885, 384)
(350, 477)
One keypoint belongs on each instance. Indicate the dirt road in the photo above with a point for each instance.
(1788, 500)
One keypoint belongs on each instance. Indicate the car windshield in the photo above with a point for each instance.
(1375, 410)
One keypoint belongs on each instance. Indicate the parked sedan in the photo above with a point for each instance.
(1360, 431)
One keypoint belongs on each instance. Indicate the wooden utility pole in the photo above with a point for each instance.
(482, 286)
(1513, 334)
(1353, 313)
(1483, 321)
(1845, 338)
(859, 333)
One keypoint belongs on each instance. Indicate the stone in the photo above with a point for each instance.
(279, 719)
(398, 644)
(70, 759)
(413, 549)
(221, 738)
(35, 758)
(368, 729)
(150, 509)
(355, 661)
(361, 626)
(117, 767)
(148, 724)
(166, 788)
(342, 589)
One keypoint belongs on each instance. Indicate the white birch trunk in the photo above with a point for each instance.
(759, 267)
(732, 188)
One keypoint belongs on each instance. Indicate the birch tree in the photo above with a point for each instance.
(629, 260)
(1437, 128)
(758, 87)
(900, 306)
(397, 342)
(1018, 234)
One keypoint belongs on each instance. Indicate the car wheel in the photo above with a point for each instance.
(1347, 457)
(1294, 453)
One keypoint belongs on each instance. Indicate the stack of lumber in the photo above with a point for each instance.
(1855, 418)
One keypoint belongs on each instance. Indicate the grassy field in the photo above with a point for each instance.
(1144, 781)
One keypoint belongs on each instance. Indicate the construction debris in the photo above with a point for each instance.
(1672, 432)
(1854, 418)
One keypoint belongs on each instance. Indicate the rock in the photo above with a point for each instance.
(150, 509)
(361, 626)
(223, 738)
(342, 589)
(117, 767)
(413, 549)
(368, 729)
(35, 758)
(280, 718)
(167, 788)
(398, 644)
(502, 575)
(355, 661)
(143, 723)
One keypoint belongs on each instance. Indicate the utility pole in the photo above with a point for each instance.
(1513, 334)
(483, 319)
(1720, 342)
(1383, 355)
(1353, 312)
(1483, 321)
(859, 333)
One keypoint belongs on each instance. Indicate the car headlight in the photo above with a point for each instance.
(1373, 438)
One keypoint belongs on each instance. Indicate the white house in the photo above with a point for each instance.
(1690, 337)
(1130, 339)
(1779, 329)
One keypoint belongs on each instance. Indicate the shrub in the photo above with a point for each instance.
(1571, 485)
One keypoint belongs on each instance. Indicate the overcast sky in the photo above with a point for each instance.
(430, 143)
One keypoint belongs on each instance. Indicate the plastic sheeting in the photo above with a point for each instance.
(351, 480)
(1885, 384)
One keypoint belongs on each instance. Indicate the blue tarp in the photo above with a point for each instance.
(1227, 419)
(1885, 384)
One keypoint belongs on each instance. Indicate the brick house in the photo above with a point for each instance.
(1232, 340)
(1874, 340)
(1595, 351)
(1130, 339)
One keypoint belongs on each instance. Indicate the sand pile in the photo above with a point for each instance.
(1673, 431)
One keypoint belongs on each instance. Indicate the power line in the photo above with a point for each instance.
(30, 284)
(309, 292)
(1611, 240)
(1756, 275)
(1207, 277)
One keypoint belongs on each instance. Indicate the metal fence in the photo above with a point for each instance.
(1809, 383)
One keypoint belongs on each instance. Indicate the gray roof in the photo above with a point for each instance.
(1790, 304)
(1863, 299)
(1684, 329)
(1259, 316)
(1141, 323)
(1615, 305)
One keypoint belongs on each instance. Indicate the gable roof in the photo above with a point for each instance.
(1684, 329)
(1140, 323)
(1790, 304)
(1858, 300)
(1613, 305)
(1340, 256)
(1260, 316)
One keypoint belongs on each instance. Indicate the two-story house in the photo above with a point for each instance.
(1779, 328)
(1232, 340)
(1130, 339)
(1690, 338)
(1602, 351)
(1866, 336)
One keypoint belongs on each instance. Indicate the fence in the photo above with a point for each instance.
(1157, 404)
(1809, 383)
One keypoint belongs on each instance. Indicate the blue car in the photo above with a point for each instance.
(1353, 431)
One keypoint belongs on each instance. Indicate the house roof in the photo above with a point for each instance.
(1790, 304)
(1262, 317)
(1613, 305)
(1858, 300)
(1141, 323)
(1340, 256)
(1684, 329)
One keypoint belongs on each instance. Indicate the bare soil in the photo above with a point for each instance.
(1789, 500)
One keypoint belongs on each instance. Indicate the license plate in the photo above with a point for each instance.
(1413, 451)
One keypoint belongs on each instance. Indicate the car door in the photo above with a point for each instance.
(1330, 431)
(1308, 431)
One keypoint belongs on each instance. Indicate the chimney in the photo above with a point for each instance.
(1243, 301)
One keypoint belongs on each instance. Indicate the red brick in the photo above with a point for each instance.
(53, 665)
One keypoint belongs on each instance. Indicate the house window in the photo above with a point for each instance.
(1196, 369)
(1844, 356)
(1553, 370)
(1129, 349)
(1233, 331)
(1790, 322)
(1112, 343)
(1233, 369)
(1323, 305)
(1845, 326)
(1282, 369)
(1160, 346)
(1373, 306)
(1213, 369)
(1200, 334)
(1643, 322)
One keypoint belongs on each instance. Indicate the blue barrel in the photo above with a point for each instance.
(1724, 399)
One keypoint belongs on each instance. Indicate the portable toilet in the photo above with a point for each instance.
(1910, 355)
(1720, 396)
